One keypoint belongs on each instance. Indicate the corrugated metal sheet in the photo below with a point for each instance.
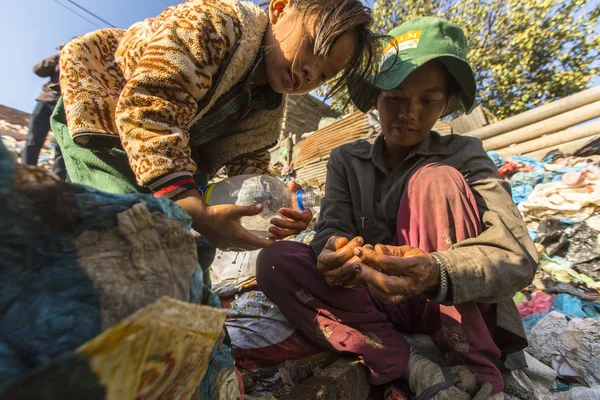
(466, 123)
(318, 145)
(316, 171)
(304, 113)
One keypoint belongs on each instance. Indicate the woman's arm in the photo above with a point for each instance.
(160, 98)
(488, 268)
(502, 260)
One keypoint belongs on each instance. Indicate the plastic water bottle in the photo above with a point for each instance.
(267, 190)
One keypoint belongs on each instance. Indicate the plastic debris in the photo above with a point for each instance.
(540, 303)
(572, 347)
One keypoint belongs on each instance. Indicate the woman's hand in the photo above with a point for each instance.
(296, 221)
(337, 260)
(220, 224)
(405, 271)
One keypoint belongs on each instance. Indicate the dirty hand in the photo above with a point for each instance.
(337, 260)
(220, 224)
(295, 222)
(406, 271)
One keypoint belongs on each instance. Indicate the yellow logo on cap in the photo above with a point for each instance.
(408, 40)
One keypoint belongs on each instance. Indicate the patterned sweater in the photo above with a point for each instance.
(148, 85)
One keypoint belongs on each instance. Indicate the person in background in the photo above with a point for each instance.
(39, 124)
(418, 234)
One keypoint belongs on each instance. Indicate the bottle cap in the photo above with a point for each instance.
(299, 194)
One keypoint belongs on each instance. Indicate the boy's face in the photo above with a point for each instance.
(407, 114)
(290, 63)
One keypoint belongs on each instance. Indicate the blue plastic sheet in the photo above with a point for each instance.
(530, 321)
(533, 235)
(521, 192)
(48, 305)
(573, 307)
(522, 183)
(496, 158)
(537, 165)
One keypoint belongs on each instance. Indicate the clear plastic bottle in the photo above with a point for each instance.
(267, 190)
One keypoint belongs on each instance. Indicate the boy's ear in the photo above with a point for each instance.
(276, 9)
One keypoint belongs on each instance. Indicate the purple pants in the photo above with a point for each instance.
(436, 210)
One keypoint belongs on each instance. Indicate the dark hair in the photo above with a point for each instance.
(335, 18)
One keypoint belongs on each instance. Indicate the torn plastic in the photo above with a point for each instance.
(572, 347)
(536, 382)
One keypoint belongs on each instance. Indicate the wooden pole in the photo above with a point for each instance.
(554, 139)
(567, 148)
(551, 125)
(538, 114)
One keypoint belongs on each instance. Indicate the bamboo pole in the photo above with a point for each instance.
(567, 148)
(538, 114)
(556, 123)
(553, 139)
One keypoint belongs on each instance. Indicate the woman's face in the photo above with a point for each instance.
(290, 63)
(407, 113)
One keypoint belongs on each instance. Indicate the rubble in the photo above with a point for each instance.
(559, 198)
(14, 138)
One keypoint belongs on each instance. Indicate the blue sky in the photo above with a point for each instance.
(31, 30)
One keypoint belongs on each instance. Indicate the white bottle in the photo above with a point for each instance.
(267, 190)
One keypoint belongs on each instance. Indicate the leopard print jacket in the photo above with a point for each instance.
(149, 84)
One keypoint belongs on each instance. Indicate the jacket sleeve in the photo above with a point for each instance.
(46, 68)
(336, 217)
(159, 101)
(502, 260)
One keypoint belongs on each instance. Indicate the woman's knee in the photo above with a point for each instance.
(276, 264)
(437, 177)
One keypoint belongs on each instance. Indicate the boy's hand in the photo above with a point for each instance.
(296, 221)
(337, 260)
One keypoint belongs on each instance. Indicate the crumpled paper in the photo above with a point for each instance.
(572, 347)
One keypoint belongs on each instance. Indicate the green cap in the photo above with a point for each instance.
(415, 43)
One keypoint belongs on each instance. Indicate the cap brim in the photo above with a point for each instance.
(364, 93)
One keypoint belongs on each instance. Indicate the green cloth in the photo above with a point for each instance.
(104, 169)
(107, 170)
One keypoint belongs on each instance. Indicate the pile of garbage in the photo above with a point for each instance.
(16, 140)
(102, 296)
(13, 129)
(559, 199)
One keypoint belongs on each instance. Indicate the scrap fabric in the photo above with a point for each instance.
(75, 261)
(559, 198)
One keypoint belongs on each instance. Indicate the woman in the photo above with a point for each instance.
(418, 233)
(162, 106)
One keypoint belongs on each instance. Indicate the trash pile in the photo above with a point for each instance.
(559, 199)
(273, 356)
(15, 142)
(13, 130)
(102, 296)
